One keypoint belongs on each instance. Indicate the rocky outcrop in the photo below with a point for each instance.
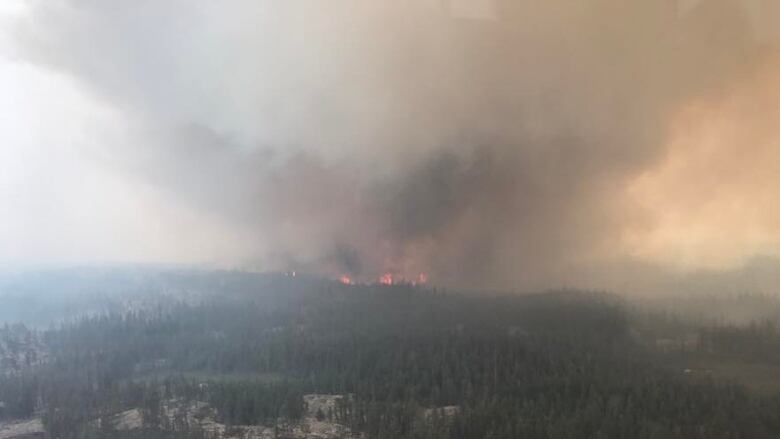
(27, 429)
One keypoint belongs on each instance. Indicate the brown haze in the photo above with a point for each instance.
(514, 144)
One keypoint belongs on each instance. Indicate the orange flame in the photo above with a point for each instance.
(346, 280)
(386, 279)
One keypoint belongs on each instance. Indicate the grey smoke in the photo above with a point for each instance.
(485, 146)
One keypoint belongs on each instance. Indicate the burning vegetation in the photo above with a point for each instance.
(386, 279)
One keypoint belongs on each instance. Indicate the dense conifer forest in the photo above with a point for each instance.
(408, 362)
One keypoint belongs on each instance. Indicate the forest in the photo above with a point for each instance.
(404, 361)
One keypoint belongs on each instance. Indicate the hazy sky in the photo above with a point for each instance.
(497, 143)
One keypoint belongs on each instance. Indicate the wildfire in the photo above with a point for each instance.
(386, 279)
(391, 279)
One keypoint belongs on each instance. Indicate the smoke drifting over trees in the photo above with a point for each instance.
(511, 146)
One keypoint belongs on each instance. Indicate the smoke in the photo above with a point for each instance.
(504, 144)
(712, 200)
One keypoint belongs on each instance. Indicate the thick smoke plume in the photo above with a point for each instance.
(496, 144)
